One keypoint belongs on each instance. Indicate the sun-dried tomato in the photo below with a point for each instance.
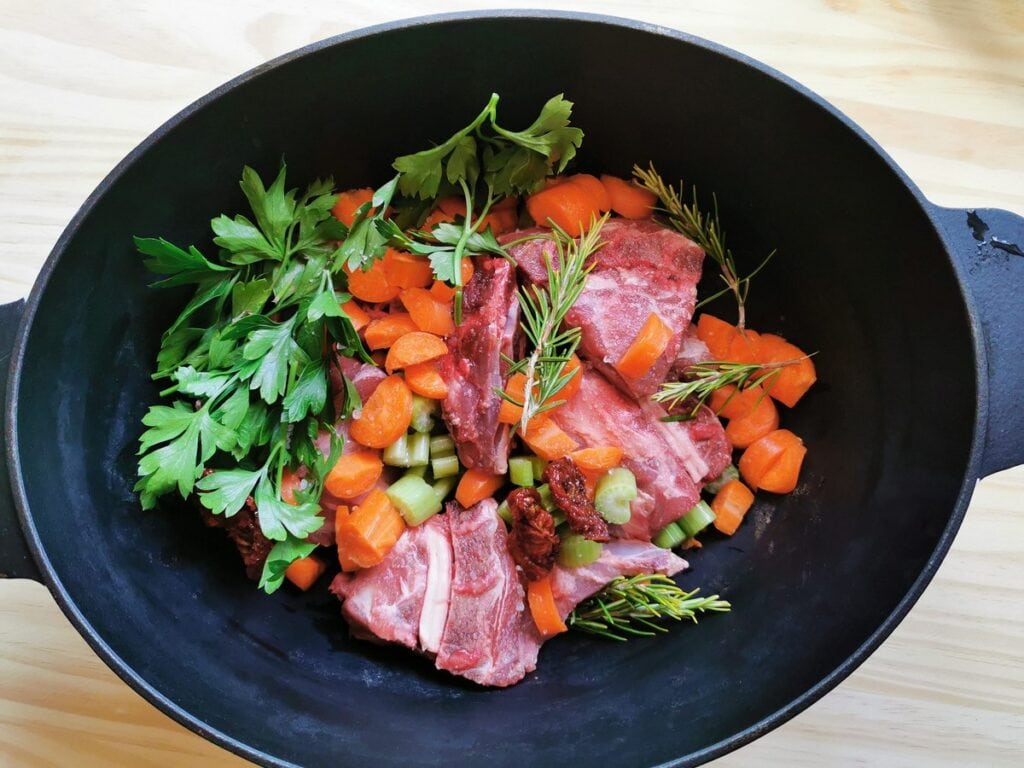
(569, 488)
(533, 542)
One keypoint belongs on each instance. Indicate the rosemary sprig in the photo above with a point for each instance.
(635, 605)
(702, 379)
(543, 310)
(705, 229)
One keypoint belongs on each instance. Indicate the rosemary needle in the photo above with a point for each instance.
(702, 379)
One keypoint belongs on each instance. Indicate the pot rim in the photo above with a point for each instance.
(752, 732)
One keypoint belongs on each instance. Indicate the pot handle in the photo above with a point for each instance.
(989, 244)
(16, 560)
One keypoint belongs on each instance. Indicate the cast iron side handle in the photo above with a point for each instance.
(16, 560)
(990, 245)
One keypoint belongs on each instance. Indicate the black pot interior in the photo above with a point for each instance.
(860, 276)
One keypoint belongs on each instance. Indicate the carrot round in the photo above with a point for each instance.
(304, 572)
(744, 347)
(547, 440)
(732, 403)
(367, 534)
(445, 293)
(762, 455)
(545, 613)
(360, 317)
(371, 285)
(348, 203)
(354, 474)
(407, 270)
(429, 314)
(716, 334)
(290, 483)
(340, 513)
(792, 381)
(730, 505)
(647, 347)
(516, 388)
(385, 331)
(413, 348)
(425, 380)
(628, 199)
(477, 485)
(570, 206)
(784, 475)
(762, 419)
(385, 416)
(593, 187)
(597, 459)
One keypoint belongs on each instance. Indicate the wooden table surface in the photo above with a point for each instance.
(940, 84)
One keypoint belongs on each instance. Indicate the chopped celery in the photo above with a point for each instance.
(520, 469)
(558, 516)
(419, 450)
(445, 466)
(505, 513)
(576, 551)
(547, 500)
(423, 411)
(669, 536)
(397, 454)
(416, 500)
(696, 520)
(539, 465)
(443, 487)
(420, 471)
(441, 445)
(729, 473)
(613, 494)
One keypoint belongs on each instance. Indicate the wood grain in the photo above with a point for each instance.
(940, 85)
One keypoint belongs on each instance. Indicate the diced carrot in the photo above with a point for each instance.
(792, 381)
(368, 534)
(413, 348)
(570, 206)
(785, 473)
(429, 314)
(407, 270)
(477, 485)
(754, 426)
(385, 416)
(354, 474)
(597, 459)
(543, 609)
(716, 334)
(516, 387)
(426, 381)
(744, 347)
(385, 331)
(547, 440)
(647, 347)
(348, 203)
(593, 186)
(290, 483)
(730, 504)
(360, 317)
(628, 199)
(762, 455)
(371, 285)
(304, 572)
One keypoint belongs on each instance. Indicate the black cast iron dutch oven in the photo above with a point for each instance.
(915, 309)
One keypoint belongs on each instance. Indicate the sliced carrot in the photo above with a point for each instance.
(500, 221)
(501, 218)
(407, 270)
(730, 504)
(341, 513)
(360, 317)
(414, 348)
(573, 385)
(785, 473)
(371, 285)
(597, 459)
(763, 419)
(716, 334)
(290, 483)
(385, 416)
(304, 572)
(354, 474)
(628, 199)
(348, 203)
(426, 381)
(429, 314)
(477, 485)
(385, 331)
(368, 534)
(647, 347)
(744, 347)
(547, 440)
(761, 456)
(737, 404)
(593, 186)
(590, 479)
(445, 293)
(792, 381)
(516, 388)
(570, 206)
(543, 609)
